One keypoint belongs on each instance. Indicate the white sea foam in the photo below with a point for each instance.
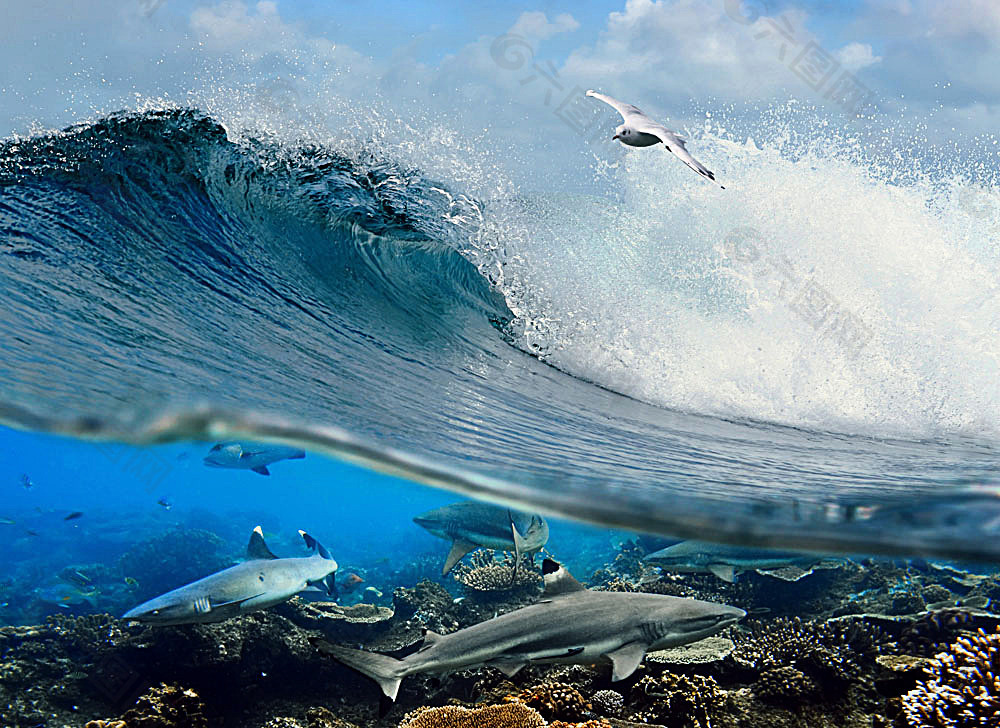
(811, 292)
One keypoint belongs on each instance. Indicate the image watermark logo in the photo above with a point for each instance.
(569, 104)
(808, 60)
(806, 297)
(148, 7)
(982, 205)
(149, 467)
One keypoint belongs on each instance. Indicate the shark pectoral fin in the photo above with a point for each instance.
(458, 550)
(726, 572)
(626, 659)
(509, 667)
(257, 549)
(786, 573)
(261, 470)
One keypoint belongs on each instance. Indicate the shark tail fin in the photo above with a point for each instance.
(386, 671)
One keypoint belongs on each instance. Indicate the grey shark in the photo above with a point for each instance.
(472, 525)
(261, 581)
(727, 562)
(249, 456)
(570, 625)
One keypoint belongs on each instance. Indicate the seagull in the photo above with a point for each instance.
(638, 130)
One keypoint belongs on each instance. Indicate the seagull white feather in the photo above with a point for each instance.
(638, 130)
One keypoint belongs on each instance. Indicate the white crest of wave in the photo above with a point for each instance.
(810, 292)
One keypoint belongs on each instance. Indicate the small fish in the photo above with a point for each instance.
(131, 582)
(78, 675)
(75, 577)
(30, 532)
(73, 516)
(66, 595)
(7, 521)
(165, 503)
(375, 592)
(26, 482)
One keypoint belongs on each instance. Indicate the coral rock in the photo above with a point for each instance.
(485, 573)
(608, 702)
(166, 706)
(555, 700)
(963, 688)
(784, 685)
(507, 715)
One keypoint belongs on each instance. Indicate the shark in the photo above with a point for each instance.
(570, 624)
(727, 562)
(249, 456)
(259, 582)
(472, 525)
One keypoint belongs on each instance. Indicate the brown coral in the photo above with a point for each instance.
(785, 685)
(485, 573)
(963, 688)
(608, 702)
(691, 701)
(166, 706)
(555, 700)
(507, 715)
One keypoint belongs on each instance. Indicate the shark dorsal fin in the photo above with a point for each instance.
(257, 549)
(558, 580)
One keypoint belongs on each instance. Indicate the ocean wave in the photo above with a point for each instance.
(165, 278)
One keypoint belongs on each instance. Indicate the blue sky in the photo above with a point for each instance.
(924, 61)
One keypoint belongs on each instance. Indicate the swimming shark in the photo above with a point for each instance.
(727, 562)
(472, 525)
(261, 581)
(249, 456)
(570, 624)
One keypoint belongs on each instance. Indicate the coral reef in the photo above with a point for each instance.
(555, 700)
(508, 715)
(485, 573)
(608, 703)
(934, 631)
(165, 706)
(963, 688)
(173, 559)
(709, 649)
(834, 653)
(785, 685)
(689, 701)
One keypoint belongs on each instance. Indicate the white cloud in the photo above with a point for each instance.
(536, 25)
(855, 56)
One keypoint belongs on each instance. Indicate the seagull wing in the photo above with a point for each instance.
(675, 144)
(628, 112)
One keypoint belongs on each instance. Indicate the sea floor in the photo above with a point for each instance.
(852, 644)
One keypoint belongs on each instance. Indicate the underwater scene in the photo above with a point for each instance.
(443, 365)
(176, 585)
